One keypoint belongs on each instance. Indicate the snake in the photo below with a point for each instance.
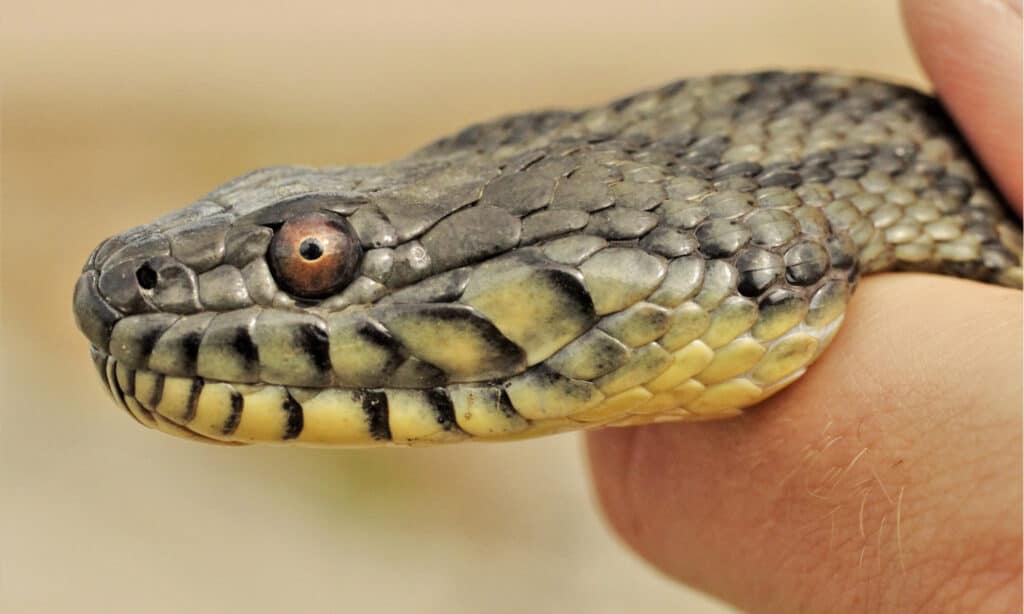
(682, 253)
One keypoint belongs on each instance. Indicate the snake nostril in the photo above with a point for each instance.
(146, 277)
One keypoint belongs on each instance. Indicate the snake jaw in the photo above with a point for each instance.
(679, 254)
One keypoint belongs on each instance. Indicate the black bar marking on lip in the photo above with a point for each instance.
(505, 404)
(148, 341)
(115, 388)
(315, 343)
(375, 404)
(193, 399)
(190, 351)
(242, 343)
(129, 388)
(295, 417)
(444, 409)
(231, 424)
(113, 384)
(158, 392)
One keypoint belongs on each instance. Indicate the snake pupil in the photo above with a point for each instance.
(310, 249)
(146, 277)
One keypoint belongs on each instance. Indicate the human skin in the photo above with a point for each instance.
(888, 479)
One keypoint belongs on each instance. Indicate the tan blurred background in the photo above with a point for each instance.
(115, 112)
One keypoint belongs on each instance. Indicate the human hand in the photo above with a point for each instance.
(889, 477)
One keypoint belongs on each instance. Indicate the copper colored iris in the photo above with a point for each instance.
(314, 254)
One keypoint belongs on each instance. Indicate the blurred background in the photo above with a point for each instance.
(116, 112)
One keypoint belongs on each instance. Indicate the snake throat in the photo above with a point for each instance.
(680, 254)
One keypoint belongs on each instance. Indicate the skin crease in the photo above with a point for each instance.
(889, 478)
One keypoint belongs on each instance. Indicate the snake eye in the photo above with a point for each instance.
(314, 254)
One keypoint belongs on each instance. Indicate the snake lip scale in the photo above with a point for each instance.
(679, 254)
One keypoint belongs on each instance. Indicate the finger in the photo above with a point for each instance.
(972, 53)
(887, 478)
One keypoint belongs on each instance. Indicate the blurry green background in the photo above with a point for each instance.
(115, 112)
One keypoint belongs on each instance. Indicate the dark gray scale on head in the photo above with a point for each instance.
(771, 228)
(111, 245)
(283, 209)
(806, 263)
(776, 197)
(223, 288)
(574, 249)
(736, 169)
(522, 161)
(361, 291)
(442, 288)
(552, 223)
(144, 246)
(669, 242)
(689, 186)
(616, 224)
(410, 263)
(957, 186)
(127, 285)
(683, 213)
(259, 282)
(193, 214)
(783, 177)
(519, 193)
(849, 169)
(555, 167)
(815, 174)
(200, 247)
(682, 281)
(378, 263)
(721, 238)
(470, 235)
(580, 193)
(728, 204)
(641, 196)
(428, 191)
(596, 172)
(812, 222)
(735, 183)
(170, 285)
(372, 228)
(842, 251)
(244, 243)
(758, 269)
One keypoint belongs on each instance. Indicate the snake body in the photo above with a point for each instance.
(680, 254)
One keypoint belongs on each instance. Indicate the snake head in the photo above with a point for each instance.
(415, 282)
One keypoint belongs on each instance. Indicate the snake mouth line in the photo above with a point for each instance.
(220, 412)
(212, 411)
